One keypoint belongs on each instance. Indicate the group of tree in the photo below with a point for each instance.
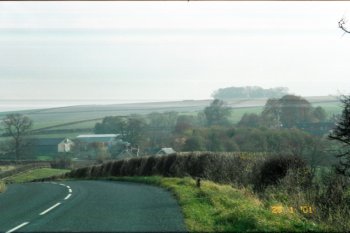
(132, 129)
(341, 134)
(211, 129)
(266, 140)
(157, 129)
(290, 111)
(275, 130)
(217, 113)
(249, 92)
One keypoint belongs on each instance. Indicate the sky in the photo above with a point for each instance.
(152, 51)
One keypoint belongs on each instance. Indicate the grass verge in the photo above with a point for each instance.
(2, 186)
(222, 208)
(35, 174)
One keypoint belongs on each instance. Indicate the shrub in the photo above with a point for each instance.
(106, 169)
(96, 171)
(159, 166)
(276, 168)
(116, 168)
(80, 172)
(147, 166)
(235, 168)
(2, 186)
(167, 164)
(62, 162)
(132, 167)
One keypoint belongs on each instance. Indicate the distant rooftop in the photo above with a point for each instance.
(167, 151)
(90, 138)
(98, 136)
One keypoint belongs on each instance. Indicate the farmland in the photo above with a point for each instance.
(74, 120)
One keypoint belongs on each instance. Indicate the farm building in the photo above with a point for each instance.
(65, 145)
(105, 139)
(166, 151)
(91, 145)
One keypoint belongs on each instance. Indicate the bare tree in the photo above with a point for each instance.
(17, 127)
(341, 24)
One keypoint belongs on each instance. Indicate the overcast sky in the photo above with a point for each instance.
(170, 50)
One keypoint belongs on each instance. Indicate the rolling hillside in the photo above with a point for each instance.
(74, 120)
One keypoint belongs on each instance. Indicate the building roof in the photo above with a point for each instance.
(89, 138)
(167, 151)
(98, 135)
(66, 140)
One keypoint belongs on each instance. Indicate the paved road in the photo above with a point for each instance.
(88, 206)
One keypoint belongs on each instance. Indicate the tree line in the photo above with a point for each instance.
(249, 92)
(275, 130)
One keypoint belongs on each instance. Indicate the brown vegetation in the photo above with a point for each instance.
(234, 168)
(286, 179)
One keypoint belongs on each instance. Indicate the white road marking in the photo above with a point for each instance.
(68, 196)
(52, 207)
(17, 227)
(70, 190)
(62, 184)
(68, 186)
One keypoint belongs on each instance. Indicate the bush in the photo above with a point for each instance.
(147, 166)
(116, 168)
(106, 169)
(276, 168)
(2, 186)
(80, 173)
(62, 162)
(96, 171)
(131, 167)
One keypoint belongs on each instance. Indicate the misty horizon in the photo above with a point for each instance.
(9, 105)
(169, 51)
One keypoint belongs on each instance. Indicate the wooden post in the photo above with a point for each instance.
(198, 182)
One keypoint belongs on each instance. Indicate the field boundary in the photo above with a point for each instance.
(22, 169)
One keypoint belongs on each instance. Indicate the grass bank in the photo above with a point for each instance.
(34, 174)
(2, 186)
(222, 208)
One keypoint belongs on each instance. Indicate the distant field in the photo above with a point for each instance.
(6, 168)
(331, 108)
(85, 117)
(57, 116)
(35, 174)
(85, 123)
(237, 113)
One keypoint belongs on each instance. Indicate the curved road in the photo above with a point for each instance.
(82, 206)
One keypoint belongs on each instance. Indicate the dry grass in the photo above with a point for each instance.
(232, 168)
(223, 208)
(2, 186)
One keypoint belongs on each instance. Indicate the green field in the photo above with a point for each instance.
(35, 174)
(2, 186)
(5, 168)
(85, 117)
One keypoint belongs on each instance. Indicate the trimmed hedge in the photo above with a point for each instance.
(275, 168)
(234, 168)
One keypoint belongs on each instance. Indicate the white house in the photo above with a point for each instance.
(66, 145)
